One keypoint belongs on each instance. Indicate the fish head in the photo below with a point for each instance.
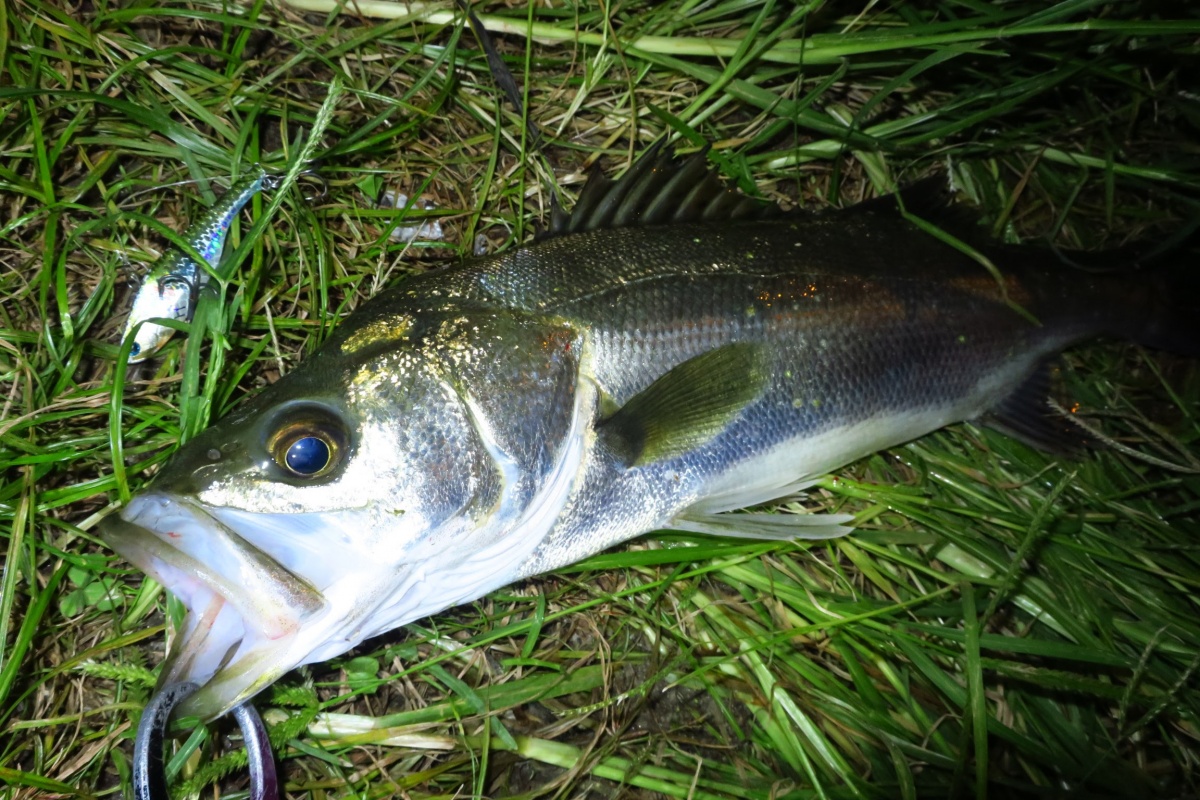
(386, 478)
(167, 296)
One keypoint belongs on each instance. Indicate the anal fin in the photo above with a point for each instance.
(1027, 416)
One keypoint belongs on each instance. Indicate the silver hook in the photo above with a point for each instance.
(322, 185)
(149, 774)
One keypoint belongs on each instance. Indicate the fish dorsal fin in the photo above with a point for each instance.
(688, 406)
(658, 189)
(1027, 416)
(930, 199)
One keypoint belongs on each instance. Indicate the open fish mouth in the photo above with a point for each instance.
(244, 609)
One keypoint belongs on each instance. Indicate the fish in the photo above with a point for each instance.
(170, 289)
(670, 351)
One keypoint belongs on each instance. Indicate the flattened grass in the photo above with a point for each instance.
(1002, 623)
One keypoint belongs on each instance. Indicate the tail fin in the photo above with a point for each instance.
(1173, 271)
(1173, 318)
(1158, 288)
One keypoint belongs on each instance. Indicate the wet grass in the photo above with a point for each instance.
(1001, 623)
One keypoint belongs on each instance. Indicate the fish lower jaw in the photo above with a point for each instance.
(244, 611)
(258, 661)
(223, 652)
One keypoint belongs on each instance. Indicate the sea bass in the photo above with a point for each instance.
(171, 287)
(673, 351)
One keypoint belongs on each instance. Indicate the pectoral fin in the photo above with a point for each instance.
(688, 406)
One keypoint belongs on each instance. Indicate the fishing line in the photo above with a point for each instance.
(221, 179)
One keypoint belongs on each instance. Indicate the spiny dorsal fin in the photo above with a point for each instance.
(656, 190)
(688, 406)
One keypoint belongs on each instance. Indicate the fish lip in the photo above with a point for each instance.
(244, 609)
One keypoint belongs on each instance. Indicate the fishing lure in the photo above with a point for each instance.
(172, 287)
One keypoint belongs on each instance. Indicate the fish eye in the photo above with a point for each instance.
(307, 455)
(310, 446)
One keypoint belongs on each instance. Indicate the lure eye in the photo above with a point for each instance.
(307, 456)
(310, 446)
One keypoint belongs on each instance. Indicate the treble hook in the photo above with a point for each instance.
(322, 184)
(149, 774)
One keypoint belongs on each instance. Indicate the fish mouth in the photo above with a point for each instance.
(244, 609)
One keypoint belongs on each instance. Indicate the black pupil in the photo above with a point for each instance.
(307, 456)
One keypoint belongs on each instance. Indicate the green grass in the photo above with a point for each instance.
(1001, 624)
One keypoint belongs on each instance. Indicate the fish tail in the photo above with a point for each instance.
(1149, 296)
(1172, 319)
(1171, 272)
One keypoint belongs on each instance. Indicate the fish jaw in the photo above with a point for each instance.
(245, 611)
